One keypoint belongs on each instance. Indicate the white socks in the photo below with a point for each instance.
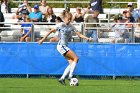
(69, 70)
(66, 72)
(73, 65)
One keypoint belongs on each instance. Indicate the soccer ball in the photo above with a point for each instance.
(74, 82)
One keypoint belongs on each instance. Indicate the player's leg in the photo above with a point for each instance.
(71, 55)
(67, 70)
(63, 50)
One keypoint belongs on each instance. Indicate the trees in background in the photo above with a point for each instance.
(105, 3)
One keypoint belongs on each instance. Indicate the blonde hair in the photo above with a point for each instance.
(68, 15)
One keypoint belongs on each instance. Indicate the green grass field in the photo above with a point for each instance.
(22, 85)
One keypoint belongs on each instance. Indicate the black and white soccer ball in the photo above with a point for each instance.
(74, 82)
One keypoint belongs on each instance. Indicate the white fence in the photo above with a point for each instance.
(11, 33)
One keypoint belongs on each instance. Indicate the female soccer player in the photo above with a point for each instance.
(65, 30)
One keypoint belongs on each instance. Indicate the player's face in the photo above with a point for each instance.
(67, 20)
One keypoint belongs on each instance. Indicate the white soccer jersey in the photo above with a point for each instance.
(65, 33)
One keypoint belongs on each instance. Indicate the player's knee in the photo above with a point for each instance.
(76, 59)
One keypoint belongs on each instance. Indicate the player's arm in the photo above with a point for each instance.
(82, 36)
(44, 38)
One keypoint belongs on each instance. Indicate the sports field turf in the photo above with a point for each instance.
(22, 85)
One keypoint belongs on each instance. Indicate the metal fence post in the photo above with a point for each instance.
(133, 37)
(114, 77)
(27, 75)
(65, 3)
(82, 30)
(32, 34)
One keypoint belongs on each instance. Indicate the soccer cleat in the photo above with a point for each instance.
(62, 81)
(69, 78)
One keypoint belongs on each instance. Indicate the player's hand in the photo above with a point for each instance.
(90, 39)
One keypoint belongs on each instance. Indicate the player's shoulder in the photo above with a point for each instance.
(71, 25)
(60, 24)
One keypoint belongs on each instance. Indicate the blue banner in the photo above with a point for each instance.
(95, 59)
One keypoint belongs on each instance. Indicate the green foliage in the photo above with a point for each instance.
(105, 3)
(11, 4)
